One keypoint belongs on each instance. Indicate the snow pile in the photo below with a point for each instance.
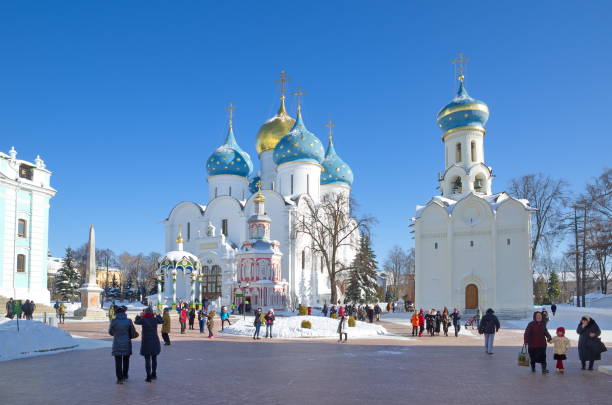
(34, 338)
(290, 327)
(569, 316)
(134, 306)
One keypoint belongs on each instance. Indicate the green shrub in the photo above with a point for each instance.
(303, 310)
(306, 324)
(334, 316)
(352, 322)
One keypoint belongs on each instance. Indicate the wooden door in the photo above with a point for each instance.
(471, 296)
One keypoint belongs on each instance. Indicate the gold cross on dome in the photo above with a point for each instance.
(330, 125)
(258, 185)
(298, 96)
(284, 79)
(230, 112)
(459, 65)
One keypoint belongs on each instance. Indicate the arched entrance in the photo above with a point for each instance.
(471, 296)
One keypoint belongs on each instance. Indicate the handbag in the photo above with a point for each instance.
(133, 332)
(595, 345)
(523, 357)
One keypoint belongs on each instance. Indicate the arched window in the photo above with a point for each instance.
(307, 183)
(22, 225)
(292, 184)
(21, 263)
(435, 245)
(458, 153)
(216, 192)
(303, 259)
(479, 184)
(457, 186)
(224, 230)
(188, 230)
(322, 264)
(473, 151)
(230, 191)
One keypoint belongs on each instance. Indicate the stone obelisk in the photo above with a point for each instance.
(90, 291)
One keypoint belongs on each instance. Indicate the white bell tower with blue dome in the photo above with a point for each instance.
(463, 122)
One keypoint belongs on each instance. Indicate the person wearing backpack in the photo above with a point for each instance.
(269, 322)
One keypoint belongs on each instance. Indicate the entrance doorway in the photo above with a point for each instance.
(471, 296)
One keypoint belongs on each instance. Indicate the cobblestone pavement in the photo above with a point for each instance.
(232, 370)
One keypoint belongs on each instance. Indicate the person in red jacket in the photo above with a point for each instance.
(421, 322)
(536, 336)
(183, 320)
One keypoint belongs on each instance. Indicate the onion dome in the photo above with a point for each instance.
(334, 170)
(253, 187)
(274, 129)
(229, 158)
(299, 145)
(463, 112)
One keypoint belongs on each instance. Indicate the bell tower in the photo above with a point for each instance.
(463, 121)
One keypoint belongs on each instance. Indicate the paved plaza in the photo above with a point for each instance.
(234, 370)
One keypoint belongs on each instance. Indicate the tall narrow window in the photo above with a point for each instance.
(458, 153)
(471, 243)
(308, 184)
(21, 263)
(22, 228)
(508, 242)
(303, 259)
(230, 190)
(435, 245)
(292, 184)
(188, 230)
(473, 150)
(224, 226)
(322, 264)
(216, 192)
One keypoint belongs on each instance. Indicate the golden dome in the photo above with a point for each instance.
(274, 129)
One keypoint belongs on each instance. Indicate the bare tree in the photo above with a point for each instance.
(330, 227)
(598, 235)
(396, 266)
(549, 196)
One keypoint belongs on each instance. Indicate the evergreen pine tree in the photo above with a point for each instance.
(553, 287)
(114, 282)
(539, 290)
(362, 286)
(67, 280)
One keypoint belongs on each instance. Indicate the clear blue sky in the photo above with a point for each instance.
(125, 99)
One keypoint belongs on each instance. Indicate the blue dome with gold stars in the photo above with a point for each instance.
(299, 145)
(229, 158)
(335, 170)
(463, 111)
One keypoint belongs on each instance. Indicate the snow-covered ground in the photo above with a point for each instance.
(33, 339)
(36, 339)
(133, 306)
(290, 327)
(569, 316)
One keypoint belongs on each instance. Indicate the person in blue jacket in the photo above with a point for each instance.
(224, 317)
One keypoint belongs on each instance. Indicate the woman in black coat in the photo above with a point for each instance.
(150, 346)
(122, 330)
(589, 344)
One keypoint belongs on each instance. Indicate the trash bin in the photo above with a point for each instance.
(309, 310)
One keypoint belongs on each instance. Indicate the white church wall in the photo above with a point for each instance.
(229, 209)
(227, 185)
(296, 178)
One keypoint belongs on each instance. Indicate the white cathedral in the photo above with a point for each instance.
(472, 245)
(243, 243)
